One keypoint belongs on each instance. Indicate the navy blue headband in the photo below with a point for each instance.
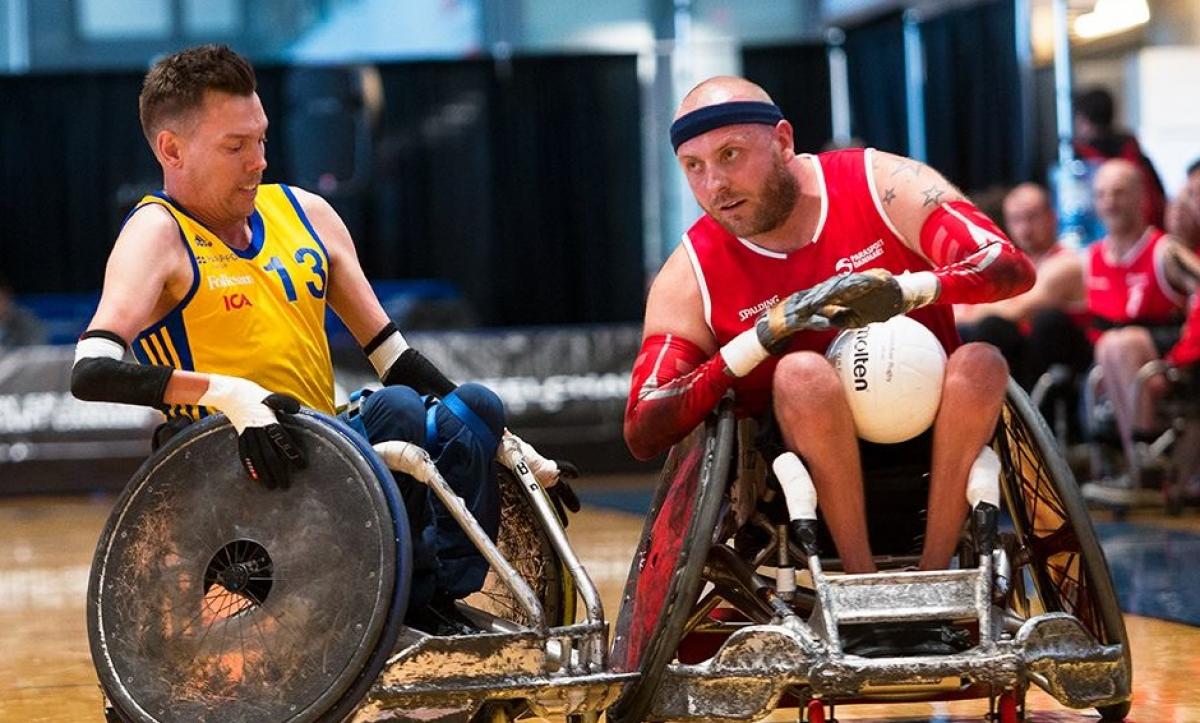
(703, 120)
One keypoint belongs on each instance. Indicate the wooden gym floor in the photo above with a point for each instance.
(46, 547)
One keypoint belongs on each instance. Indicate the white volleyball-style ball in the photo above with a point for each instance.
(892, 374)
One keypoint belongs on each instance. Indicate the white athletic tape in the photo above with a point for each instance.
(797, 486)
(744, 352)
(240, 399)
(545, 471)
(98, 347)
(918, 288)
(386, 354)
(983, 481)
(408, 458)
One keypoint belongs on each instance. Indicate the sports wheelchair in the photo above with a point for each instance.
(1171, 457)
(719, 630)
(214, 599)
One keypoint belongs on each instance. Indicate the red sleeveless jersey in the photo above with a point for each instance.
(1131, 289)
(738, 280)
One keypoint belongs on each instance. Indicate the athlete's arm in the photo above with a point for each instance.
(973, 260)
(1180, 266)
(354, 301)
(148, 273)
(677, 378)
(1059, 285)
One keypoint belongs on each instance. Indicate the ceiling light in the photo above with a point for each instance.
(1112, 16)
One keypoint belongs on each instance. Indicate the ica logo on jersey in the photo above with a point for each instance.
(236, 301)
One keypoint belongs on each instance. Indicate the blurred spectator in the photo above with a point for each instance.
(1136, 296)
(18, 325)
(1097, 140)
(1183, 213)
(1045, 325)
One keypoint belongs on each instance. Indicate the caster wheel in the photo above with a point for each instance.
(816, 711)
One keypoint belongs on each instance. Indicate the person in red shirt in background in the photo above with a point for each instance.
(889, 234)
(1097, 140)
(1136, 297)
(1045, 325)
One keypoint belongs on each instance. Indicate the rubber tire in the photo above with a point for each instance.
(1019, 413)
(392, 625)
(684, 588)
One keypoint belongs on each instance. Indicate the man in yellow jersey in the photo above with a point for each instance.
(221, 283)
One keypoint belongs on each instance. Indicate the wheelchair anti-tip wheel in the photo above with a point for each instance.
(212, 598)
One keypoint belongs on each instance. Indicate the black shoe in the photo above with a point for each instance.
(442, 620)
(904, 640)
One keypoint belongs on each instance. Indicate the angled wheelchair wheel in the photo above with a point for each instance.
(524, 543)
(665, 577)
(1055, 542)
(212, 598)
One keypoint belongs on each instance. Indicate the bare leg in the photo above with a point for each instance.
(815, 421)
(1121, 353)
(972, 394)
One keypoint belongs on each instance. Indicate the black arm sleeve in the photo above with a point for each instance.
(102, 379)
(412, 369)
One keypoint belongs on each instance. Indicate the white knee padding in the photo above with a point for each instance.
(983, 481)
(797, 486)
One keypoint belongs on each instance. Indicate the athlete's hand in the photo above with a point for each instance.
(552, 475)
(267, 451)
(877, 295)
(800, 311)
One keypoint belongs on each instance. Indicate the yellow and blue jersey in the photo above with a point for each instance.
(256, 313)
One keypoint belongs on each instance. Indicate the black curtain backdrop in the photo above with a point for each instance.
(797, 78)
(875, 67)
(73, 161)
(520, 182)
(972, 97)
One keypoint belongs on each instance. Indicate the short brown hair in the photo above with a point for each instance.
(176, 84)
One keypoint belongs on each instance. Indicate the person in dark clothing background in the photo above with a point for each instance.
(1097, 140)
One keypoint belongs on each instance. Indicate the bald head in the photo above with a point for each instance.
(1118, 189)
(1119, 172)
(1029, 219)
(721, 89)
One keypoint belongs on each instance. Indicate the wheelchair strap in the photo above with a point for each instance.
(464, 414)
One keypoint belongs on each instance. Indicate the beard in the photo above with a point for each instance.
(776, 201)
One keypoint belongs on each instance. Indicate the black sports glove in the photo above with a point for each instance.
(269, 453)
(561, 495)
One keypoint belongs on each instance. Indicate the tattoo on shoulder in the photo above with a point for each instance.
(889, 196)
(906, 165)
(933, 195)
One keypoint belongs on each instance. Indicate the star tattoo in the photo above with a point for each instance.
(908, 165)
(933, 196)
(889, 196)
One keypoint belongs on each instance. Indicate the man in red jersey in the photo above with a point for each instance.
(1136, 297)
(894, 236)
(1045, 325)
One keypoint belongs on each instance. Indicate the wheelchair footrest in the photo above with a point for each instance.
(904, 596)
(757, 664)
(561, 673)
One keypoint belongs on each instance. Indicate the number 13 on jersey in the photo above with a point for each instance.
(311, 259)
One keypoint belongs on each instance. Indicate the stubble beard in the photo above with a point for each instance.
(778, 199)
